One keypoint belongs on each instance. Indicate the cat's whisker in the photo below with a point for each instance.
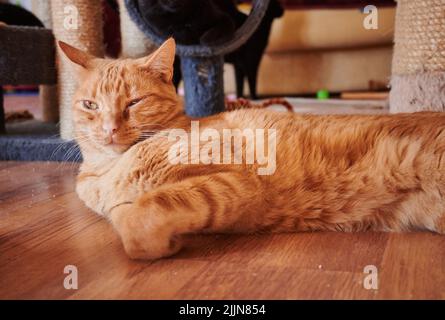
(147, 135)
(59, 147)
(147, 125)
(72, 154)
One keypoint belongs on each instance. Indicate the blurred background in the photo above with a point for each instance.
(315, 49)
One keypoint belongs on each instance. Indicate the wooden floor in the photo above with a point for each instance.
(44, 227)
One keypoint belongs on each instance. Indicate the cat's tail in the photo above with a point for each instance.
(247, 104)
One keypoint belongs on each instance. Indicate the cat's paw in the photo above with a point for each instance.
(144, 236)
(138, 250)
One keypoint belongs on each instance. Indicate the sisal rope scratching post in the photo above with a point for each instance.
(49, 103)
(47, 93)
(134, 43)
(42, 9)
(86, 35)
(418, 67)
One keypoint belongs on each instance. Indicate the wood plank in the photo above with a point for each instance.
(416, 263)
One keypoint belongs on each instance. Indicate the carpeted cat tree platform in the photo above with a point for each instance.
(29, 59)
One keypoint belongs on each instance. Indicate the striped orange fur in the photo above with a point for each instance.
(333, 172)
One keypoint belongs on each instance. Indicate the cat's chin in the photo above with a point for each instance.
(97, 150)
(116, 148)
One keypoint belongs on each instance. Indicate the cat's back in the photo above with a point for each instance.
(425, 125)
(338, 141)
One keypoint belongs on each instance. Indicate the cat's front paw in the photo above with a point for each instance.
(144, 236)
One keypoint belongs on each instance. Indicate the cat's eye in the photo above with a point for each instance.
(89, 105)
(133, 102)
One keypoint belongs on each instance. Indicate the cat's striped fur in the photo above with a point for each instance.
(333, 172)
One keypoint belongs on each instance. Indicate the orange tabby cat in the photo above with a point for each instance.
(334, 172)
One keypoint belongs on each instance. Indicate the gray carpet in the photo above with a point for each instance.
(36, 141)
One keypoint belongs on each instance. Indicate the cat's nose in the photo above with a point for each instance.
(110, 128)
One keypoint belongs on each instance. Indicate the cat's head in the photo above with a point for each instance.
(121, 102)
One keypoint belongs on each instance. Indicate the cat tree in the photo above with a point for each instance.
(29, 59)
(418, 79)
(133, 42)
(47, 93)
(418, 69)
(202, 66)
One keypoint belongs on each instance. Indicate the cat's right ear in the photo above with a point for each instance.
(77, 56)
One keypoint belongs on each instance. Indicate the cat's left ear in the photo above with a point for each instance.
(77, 56)
(162, 59)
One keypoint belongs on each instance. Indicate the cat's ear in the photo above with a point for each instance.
(162, 59)
(79, 57)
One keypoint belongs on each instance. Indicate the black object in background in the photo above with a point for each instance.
(246, 59)
(188, 21)
(18, 16)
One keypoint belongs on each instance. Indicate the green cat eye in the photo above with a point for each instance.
(90, 105)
